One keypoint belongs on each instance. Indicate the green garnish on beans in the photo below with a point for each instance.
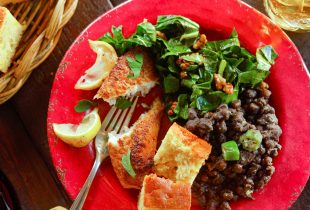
(251, 140)
(230, 151)
(189, 64)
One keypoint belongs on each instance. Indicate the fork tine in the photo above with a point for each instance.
(130, 113)
(121, 119)
(108, 118)
(114, 120)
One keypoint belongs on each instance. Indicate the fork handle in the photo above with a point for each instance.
(80, 199)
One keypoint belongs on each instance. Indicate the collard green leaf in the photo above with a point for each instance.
(117, 41)
(223, 44)
(145, 35)
(206, 104)
(84, 105)
(135, 65)
(181, 109)
(194, 57)
(123, 103)
(265, 57)
(171, 84)
(252, 78)
(172, 66)
(178, 27)
(222, 67)
(187, 83)
(174, 47)
(268, 53)
(234, 33)
(127, 164)
(213, 99)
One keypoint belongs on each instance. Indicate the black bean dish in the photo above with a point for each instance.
(220, 181)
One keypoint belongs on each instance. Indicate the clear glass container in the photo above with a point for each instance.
(291, 15)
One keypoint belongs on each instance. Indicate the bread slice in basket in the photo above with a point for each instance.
(5, 2)
(10, 34)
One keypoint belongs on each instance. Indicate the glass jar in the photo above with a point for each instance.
(291, 15)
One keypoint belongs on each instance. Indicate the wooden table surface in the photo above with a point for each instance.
(24, 153)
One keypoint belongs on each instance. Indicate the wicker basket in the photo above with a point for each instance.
(43, 21)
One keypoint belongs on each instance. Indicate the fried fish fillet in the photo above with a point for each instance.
(118, 84)
(141, 140)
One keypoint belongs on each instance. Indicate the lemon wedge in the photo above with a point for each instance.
(105, 61)
(79, 135)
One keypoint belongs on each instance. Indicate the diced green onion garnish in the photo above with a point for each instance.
(230, 151)
(251, 140)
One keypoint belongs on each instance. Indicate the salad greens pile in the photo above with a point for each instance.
(194, 77)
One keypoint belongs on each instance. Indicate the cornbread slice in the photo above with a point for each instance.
(10, 34)
(181, 155)
(162, 194)
(141, 140)
(118, 84)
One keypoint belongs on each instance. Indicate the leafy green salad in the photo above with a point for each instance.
(195, 72)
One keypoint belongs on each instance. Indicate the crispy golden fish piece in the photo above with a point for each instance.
(141, 140)
(118, 84)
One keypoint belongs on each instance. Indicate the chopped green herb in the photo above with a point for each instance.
(123, 103)
(127, 164)
(181, 109)
(171, 84)
(222, 67)
(251, 140)
(194, 57)
(117, 41)
(135, 65)
(230, 151)
(84, 105)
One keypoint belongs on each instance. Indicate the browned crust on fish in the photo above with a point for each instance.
(142, 144)
(117, 83)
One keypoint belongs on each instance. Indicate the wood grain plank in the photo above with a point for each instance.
(117, 2)
(24, 167)
(31, 102)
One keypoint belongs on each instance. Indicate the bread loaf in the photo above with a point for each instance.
(181, 155)
(10, 33)
(162, 194)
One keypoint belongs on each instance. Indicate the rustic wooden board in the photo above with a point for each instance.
(24, 167)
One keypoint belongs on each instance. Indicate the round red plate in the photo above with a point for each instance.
(289, 83)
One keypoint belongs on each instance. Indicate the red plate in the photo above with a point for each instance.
(289, 83)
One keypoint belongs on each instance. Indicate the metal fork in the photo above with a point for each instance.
(111, 122)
